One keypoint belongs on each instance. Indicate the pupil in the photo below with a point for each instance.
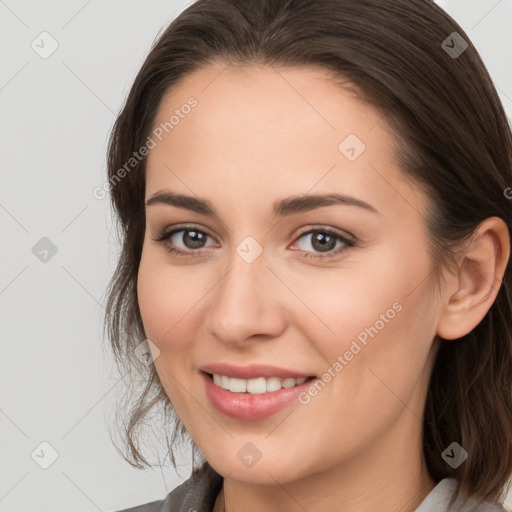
(196, 239)
(323, 242)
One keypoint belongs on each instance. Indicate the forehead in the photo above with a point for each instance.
(290, 129)
(274, 97)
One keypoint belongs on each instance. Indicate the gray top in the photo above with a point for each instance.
(200, 491)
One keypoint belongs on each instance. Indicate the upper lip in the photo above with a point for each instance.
(252, 371)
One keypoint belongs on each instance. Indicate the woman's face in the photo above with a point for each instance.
(338, 290)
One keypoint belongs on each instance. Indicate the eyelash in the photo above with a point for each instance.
(348, 244)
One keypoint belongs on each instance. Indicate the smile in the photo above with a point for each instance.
(266, 395)
(256, 386)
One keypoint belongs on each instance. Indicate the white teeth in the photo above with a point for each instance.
(273, 384)
(255, 386)
(237, 385)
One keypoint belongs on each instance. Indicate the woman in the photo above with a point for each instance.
(314, 209)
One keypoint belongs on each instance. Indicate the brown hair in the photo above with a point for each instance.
(453, 138)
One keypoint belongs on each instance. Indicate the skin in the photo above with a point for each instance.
(258, 135)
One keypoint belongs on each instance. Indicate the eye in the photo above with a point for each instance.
(190, 237)
(324, 241)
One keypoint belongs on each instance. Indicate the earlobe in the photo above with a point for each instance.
(480, 273)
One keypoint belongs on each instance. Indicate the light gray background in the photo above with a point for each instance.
(56, 383)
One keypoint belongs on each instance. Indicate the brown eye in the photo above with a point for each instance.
(323, 241)
(184, 241)
(192, 239)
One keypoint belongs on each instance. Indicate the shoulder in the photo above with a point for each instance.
(442, 499)
(198, 493)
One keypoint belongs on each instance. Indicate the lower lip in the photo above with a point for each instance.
(249, 407)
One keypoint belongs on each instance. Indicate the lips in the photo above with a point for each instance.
(251, 407)
(252, 371)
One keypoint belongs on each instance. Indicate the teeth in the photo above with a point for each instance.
(255, 386)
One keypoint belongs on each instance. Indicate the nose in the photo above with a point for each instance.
(247, 303)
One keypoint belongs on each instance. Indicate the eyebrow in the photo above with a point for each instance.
(281, 208)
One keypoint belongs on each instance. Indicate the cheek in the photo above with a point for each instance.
(163, 299)
(344, 302)
(166, 302)
(379, 316)
(363, 325)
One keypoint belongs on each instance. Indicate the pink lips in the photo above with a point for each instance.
(252, 371)
(246, 406)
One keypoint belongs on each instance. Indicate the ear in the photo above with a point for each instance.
(480, 272)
